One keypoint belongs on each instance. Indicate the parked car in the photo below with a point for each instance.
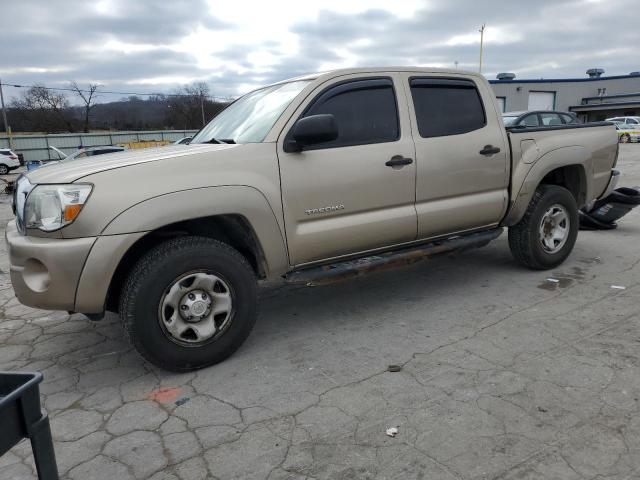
(633, 121)
(628, 128)
(80, 153)
(312, 179)
(182, 141)
(538, 118)
(88, 152)
(628, 133)
(8, 161)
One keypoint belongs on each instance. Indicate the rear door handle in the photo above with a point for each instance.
(398, 161)
(489, 150)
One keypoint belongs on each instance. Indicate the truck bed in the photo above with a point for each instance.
(592, 145)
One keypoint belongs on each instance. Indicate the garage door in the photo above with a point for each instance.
(542, 100)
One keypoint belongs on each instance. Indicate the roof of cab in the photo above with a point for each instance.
(350, 71)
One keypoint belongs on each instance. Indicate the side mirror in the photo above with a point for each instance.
(311, 131)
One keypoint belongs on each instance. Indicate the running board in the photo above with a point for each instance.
(358, 267)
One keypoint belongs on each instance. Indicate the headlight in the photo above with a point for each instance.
(51, 207)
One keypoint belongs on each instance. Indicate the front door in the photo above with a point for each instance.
(344, 196)
(462, 154)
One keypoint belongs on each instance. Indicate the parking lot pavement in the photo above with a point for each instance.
(505, 375)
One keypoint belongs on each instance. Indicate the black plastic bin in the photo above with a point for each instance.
(20, 417)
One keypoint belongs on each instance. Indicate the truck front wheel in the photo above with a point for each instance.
(189, 303)
(545, 236)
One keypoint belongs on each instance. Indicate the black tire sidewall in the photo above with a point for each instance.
(153, 340)
(561, 196)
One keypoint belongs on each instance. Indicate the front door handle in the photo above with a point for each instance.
(398, 161)
(489, 150)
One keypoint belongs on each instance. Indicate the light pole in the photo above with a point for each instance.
(7, 128)
(202, 108)
(481, 46)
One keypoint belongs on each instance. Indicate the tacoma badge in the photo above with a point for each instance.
(332, 208)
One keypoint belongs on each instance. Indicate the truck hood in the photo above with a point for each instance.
(67, 172)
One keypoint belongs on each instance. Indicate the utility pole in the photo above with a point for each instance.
(481, 46)
(7, 128)
(202, 108)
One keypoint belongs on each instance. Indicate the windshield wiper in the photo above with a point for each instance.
(221, 140)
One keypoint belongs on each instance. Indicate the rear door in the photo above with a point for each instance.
(462, 154)
(342, 197)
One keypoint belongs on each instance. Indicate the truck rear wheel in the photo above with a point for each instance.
(189, 303)
(545, 236)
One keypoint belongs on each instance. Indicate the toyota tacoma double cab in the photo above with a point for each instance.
(324, 176)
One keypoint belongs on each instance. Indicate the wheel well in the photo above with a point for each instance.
(571, 177)
(234, 230)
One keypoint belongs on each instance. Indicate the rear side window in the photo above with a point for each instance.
(446, 106)
(365, 111)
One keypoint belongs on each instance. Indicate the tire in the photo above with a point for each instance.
(3, 169)
(160, 275)
(625, 138)
(527, 238)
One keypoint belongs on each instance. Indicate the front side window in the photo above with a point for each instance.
(530, 121)
(568, 118)
(365, 112)
(249, 119)
(446, 106)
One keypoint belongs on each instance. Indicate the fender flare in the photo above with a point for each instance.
(574, 155)
(242, 200)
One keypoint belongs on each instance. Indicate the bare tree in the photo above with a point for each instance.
(46, 109)
(187, 105)
(88, 98)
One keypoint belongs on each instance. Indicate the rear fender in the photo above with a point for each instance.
(550, 161)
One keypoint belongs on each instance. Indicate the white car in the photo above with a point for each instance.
(628, 133)
(628, 128)
(635, 121)
(8, 161)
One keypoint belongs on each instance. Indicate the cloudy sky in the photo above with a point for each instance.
(236, 45)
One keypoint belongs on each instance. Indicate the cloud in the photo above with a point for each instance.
(234, 46)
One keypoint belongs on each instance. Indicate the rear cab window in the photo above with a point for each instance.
(446, 106)
(365, 111)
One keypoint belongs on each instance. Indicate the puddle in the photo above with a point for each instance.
(563, 282)
(591, 261)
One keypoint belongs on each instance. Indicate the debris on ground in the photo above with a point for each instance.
(605, 212)
(164, 395)
(394, 368)
(392, 431)
(553, 280)
(181, 401)
(618, 287)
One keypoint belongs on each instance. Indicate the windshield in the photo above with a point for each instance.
(508, 120)
(249, 119)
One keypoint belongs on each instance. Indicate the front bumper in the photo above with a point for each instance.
(45, 271)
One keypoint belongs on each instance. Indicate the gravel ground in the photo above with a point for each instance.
(505, 375)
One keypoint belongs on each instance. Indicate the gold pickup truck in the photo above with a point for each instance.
(319, 177)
